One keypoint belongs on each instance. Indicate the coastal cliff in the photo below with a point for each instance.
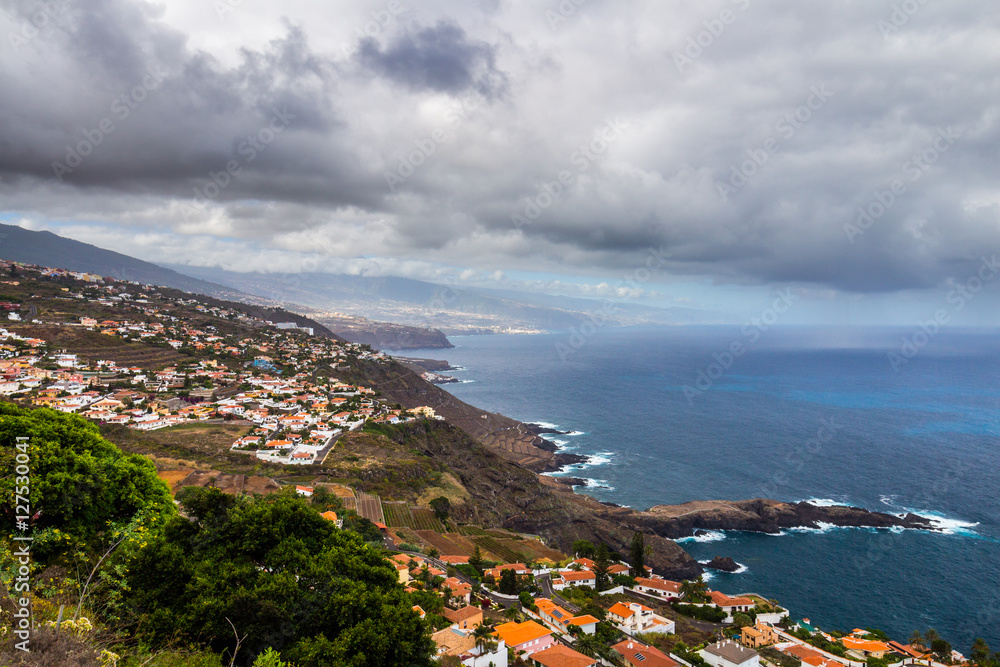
(499, 462)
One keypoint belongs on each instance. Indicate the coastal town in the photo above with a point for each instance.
(488, 597)
(584, 613)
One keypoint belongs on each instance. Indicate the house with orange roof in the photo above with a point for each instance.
(466, 618)
(730, 605)
(454, 560)
(664, 588)
(586, 623)
(633, 618)
(553, 615)
(520, 569)
(808, 656)
(332, 516)
(528, 637)
(638, 654)
(864, 648)
(459, 589)
(583, 578)
(559, 655)
(761, 634)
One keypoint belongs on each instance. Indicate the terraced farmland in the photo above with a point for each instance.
(397, 515)
(503, 549)
(445, 544)
(401, 515)
(426, 520)
(370, 507)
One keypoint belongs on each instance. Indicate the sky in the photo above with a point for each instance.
(701, 154)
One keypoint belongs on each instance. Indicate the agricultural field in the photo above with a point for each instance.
(397, 515)
(400, 514)
(503, 549)
(370, 507)
(445, 544)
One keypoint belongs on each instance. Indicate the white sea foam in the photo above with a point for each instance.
(943, 523)
(819, 529)
(706, 536)
(824, 502)
(554, 427)
(602, 484)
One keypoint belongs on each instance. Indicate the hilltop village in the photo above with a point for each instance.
(221, 397)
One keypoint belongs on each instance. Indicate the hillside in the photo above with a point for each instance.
(48, 249)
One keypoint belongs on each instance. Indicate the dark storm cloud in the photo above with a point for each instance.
(440, 58)
(154, 116)
(478, 109)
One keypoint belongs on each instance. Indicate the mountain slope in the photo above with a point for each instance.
(48, 249)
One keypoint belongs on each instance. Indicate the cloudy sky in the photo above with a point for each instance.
(847, 150)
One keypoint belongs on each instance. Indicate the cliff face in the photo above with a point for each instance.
(505, 495)
(385, 336)
(497, 460)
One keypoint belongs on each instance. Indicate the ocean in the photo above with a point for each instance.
(667, 415)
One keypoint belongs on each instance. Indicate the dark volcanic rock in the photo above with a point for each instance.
(538, 429)
(723, 564)
(571, 481)
(767, 516)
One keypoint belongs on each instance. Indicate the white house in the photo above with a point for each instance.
(730, 654)
(571, 578)
(663, 588)
(632, 618)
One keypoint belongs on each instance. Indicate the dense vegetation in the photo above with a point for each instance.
(227, 576)
(282, 576)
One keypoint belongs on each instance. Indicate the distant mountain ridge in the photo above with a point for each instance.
(403, 301)
(48, 249)
(451, 309)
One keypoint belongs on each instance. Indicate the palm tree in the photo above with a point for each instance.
(484, 638)
(511, 613)
(917, 639)
(587, 644)
(693, 590)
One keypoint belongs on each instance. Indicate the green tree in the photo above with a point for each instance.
(693, 591)
(508, 582)
(441, 507)
(484, 638)
(741, 620)
(476, 560)
(941, 649)
(282, 576)
(602, 561)
(78, 483)
(980, 655)
(269, 658)
(584, 549)
(637, 555)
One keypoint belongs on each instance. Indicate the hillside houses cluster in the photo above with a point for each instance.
(263, 375)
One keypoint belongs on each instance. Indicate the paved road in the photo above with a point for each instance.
(544, 582)
(502, 602)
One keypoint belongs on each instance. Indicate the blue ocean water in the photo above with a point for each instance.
(805, 413)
